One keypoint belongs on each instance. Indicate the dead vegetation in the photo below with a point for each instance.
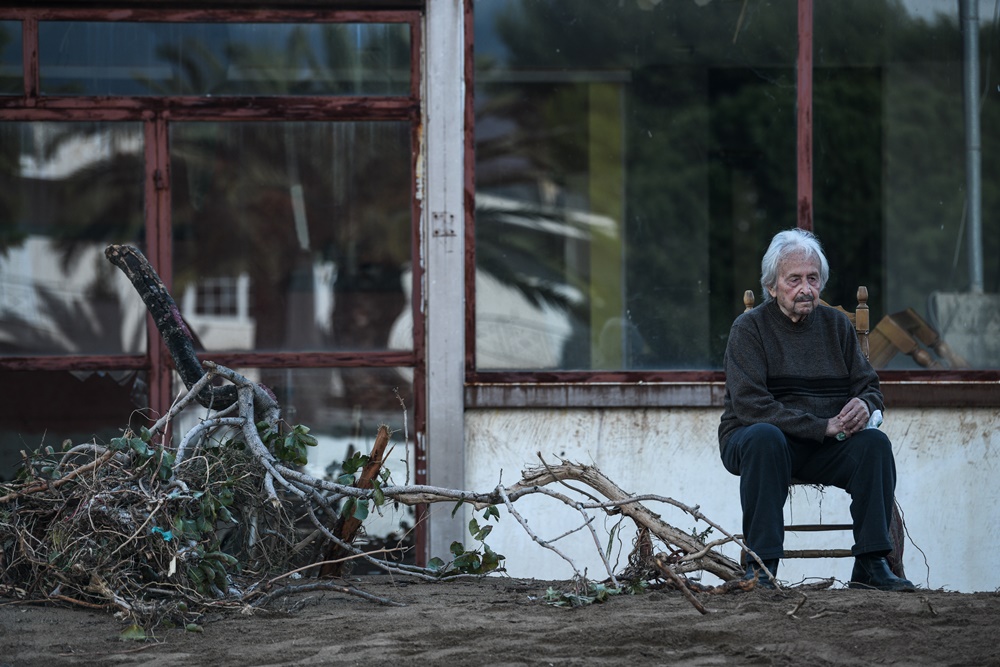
(162, 530)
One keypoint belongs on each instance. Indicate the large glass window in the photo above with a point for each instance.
(893, 201)
(628, 156)
(11, 77)
(292, 236)
(67, 190)
(282, 219)
(98, 58)
(634, 158)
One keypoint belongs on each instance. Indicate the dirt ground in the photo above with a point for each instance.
(500, 621)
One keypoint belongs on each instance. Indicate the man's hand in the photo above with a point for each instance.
(852, 418)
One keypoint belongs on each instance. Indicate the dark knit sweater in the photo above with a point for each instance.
(795, 375)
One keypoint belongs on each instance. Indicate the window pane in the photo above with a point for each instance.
(11, 66)
(892, 202)
(67, 190)
(293, 236)
(44, 408)
(628, 154)
(91, 58)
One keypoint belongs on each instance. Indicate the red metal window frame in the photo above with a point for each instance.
(687, 388)
(157, 112)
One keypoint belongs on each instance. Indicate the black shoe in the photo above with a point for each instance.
(872, 572)
(754, 572)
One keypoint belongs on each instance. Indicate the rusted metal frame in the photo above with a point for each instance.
(391, 359)
(122, 362)
(215, 108)
(158, 225)
(554, 376)
(902, 389)
(29, 57)
(804, 116)
(214, 15)
(470, 195)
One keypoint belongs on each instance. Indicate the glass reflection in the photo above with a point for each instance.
(45, 408)
(892, 201)
(293, 237)
(11, 56)
(112, 58)
(67, 190)
(627, 155)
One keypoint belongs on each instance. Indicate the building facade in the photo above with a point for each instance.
(508, 228)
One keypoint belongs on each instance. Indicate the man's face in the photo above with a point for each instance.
(797, 289)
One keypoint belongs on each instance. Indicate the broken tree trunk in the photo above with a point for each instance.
(170, 324)
(334, 563)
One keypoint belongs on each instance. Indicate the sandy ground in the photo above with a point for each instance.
(501, 621)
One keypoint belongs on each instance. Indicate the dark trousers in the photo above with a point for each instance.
(766, 459)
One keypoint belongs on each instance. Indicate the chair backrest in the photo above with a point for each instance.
(859, 317)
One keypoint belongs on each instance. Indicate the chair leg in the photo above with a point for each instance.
(898, 534)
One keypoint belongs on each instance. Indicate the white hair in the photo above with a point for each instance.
(785, 244)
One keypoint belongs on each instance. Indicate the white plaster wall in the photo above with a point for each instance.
(948, 463)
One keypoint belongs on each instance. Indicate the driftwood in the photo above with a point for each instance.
(690, 553)
(169, 322)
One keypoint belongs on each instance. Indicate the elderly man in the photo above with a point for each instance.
(799, 396)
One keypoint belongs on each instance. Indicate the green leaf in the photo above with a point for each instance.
(457, 548)
(483, 532)
(491, 561)
(361, 512)
(378, 497)
(347, 479)
(473, 526)
(467, 562)
(133, 633)
(348, 508)
(139, 447)
(491, 511)
(193, 627)
(457, 507)
(145, 434)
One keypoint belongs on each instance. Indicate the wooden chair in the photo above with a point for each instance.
(859, 317)
(908, 333)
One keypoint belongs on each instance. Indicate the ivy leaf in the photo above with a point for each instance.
(361, 509)
(435, 564)
(133, 633)
(467, 562)
(348, 509)
(491, 561)
(492, 511)
(457, 548)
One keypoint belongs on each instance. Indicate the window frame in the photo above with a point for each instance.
(156, 113)
(685, 388)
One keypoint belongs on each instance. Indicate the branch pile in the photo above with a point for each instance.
(156, 531)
